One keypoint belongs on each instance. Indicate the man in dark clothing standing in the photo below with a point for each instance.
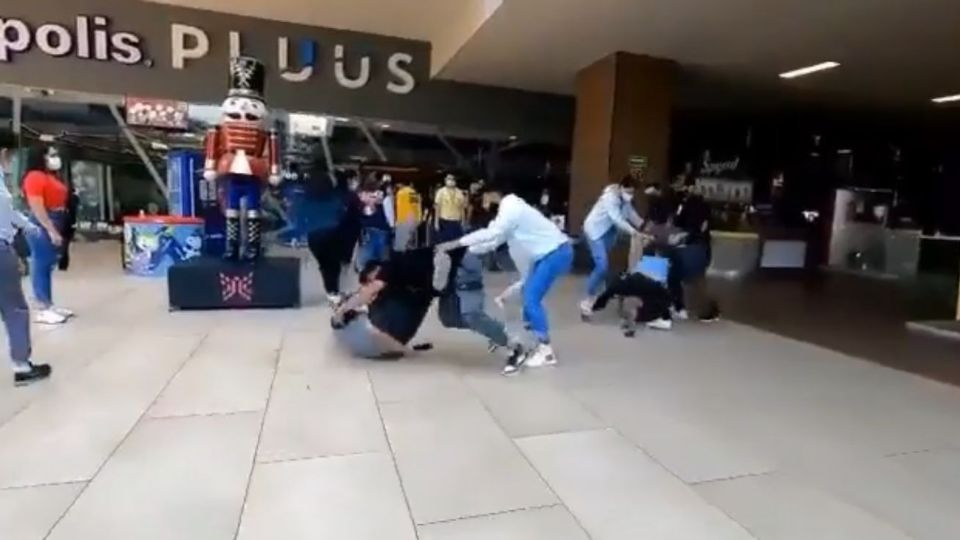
(694, 256)
(69, 230)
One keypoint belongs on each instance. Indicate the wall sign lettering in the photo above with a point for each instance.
(94, 37)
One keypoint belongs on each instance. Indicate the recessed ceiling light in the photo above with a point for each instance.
(946, 99)
(384, 126)
(513, 137)
(823, 66)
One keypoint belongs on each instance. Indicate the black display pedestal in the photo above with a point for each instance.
(212, 283)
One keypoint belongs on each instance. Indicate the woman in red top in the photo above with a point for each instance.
(47, 197)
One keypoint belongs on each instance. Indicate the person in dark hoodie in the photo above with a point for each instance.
(327, 217)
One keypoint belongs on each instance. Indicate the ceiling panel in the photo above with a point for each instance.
(891, 50)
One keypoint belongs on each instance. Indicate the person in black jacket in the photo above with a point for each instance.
(68, 230)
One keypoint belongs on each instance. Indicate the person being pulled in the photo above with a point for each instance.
(643, 295)
(381, 319)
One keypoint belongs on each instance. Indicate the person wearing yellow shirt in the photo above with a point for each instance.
(409, 214)
(451, 211)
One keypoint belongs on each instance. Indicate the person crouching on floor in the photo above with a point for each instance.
(643, 294)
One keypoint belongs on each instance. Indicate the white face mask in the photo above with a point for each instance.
(627, 197)
(54, 163)
(544, 199)
(451, 183)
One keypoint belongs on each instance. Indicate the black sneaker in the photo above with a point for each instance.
(515, 362)
(38, 372)
(712, 315)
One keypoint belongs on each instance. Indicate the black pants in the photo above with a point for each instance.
(327, 248)
(654, 297)
(675, 275)
(64, 262)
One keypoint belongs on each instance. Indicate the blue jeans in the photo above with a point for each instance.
(374, 246)
(599, 250)
(13, 307)
(542, 276)
(43, 259)
(240, 187)
(472, 309)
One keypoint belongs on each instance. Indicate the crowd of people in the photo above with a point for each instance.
(411, 251)
(399, 285)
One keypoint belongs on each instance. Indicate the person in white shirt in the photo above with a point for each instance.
(523, 227)
(613, 213)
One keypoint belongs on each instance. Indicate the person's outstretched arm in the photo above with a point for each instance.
(612, 206)
(496, 233)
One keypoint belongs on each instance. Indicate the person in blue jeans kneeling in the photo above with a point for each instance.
(613, 213)
(523, 227)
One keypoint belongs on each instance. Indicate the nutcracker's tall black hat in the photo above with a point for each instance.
(248, 77)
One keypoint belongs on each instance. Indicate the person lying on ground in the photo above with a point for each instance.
(383, 316)
(386, 313)
(643, 296)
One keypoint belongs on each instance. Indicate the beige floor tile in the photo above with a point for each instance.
(216, 381)
(356, 497)
(617, 492)
(321, 414)
(182, 478)
(776, 507)
(696, 445)
(553, 523)
(455, 462)
(67, 433)
(528, 406)
(940, 467)
(30, 513)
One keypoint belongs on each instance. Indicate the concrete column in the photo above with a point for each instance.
(624, 104)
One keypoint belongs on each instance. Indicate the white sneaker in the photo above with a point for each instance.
(660, 324)
(680, 314)
(334, 299)
(63, 312)
(542, 356)
(586, 308)
(49, 316)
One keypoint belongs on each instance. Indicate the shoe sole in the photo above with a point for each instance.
(21, 384)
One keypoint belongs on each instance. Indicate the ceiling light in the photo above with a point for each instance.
(808, 70)
(946, 99)
(384, 126)
(513, 137)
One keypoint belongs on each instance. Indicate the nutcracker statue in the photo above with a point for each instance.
(242, 154)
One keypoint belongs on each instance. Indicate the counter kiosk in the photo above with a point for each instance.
(152, 244)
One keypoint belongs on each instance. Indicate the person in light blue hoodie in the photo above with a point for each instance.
(611, 215)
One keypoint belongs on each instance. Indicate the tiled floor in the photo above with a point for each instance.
(251, 425)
